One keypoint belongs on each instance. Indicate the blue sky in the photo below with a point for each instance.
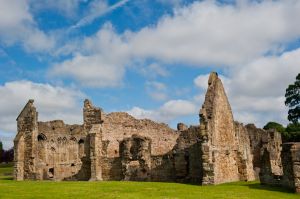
(148, 58)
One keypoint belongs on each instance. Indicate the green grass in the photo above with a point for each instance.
(45, 189)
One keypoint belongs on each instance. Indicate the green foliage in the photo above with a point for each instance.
(121, 189)
(289, 134)
(292, 133)
(292, 96)
(274, 125)
(1, 151)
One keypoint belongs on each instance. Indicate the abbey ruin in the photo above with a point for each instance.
(116, 146)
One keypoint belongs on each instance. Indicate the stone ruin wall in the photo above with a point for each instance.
(95, 150)
(172, 153)
(291, 166)
(120, 126)
(226, 155)
(117, 146)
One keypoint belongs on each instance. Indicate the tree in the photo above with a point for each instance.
(8, 155)
(274, 125)
(292, 100)
(1, 151)
(293, 132)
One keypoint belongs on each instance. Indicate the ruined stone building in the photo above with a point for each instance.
(116, 146)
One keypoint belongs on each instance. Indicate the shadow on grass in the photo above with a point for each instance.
(268, 188)
(6, 178)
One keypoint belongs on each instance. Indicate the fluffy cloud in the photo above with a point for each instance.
(208, 33)
(203, 33)
(167, 112)
(52, 103)
(100, 62)
(256, 91)
(17, 25)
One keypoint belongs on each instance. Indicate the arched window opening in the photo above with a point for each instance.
(41, 137)
(81, 141)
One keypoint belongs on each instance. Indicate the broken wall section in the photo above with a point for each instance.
(91, 115)
(61, 149)
(136, 158)
(219, 147)
(244, 153)
(187, 155)
(291, 166)
(24, 143)
(270, 157)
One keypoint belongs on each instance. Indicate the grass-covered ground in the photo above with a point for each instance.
(74, 190)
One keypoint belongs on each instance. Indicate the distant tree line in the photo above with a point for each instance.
(291, 133)
(6, 155)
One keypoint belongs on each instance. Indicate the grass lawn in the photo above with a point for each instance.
(74, 190)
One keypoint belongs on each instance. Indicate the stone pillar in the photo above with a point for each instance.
(291, 166)
(95, 152)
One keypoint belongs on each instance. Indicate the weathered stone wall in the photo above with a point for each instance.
(244, 153)
(91, 115)
(271, 166)
(117, 146)
(61, 150)
(136, 158)
(187, 155)
(218, 134)
(25, 147)
(121, 126)
(291, 166)
(255, 135)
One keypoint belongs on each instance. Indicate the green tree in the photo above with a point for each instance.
(293, 132)
(274, 125)
(1, 151)
(292, 100)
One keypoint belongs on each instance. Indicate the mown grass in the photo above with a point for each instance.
(45, 189)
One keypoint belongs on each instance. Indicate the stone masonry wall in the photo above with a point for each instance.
(218, 135)
(24, 143)
(117, 146)
(291, 166)
(244, 154)
(121, 126)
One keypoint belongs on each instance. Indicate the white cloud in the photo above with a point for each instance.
(167, 112)
(52, 102)
(91, 71)
(256, 90)
(208, 33)
(18, 25)
(202, 33)
(100, 62)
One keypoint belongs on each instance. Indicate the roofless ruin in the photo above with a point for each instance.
(117, 146)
